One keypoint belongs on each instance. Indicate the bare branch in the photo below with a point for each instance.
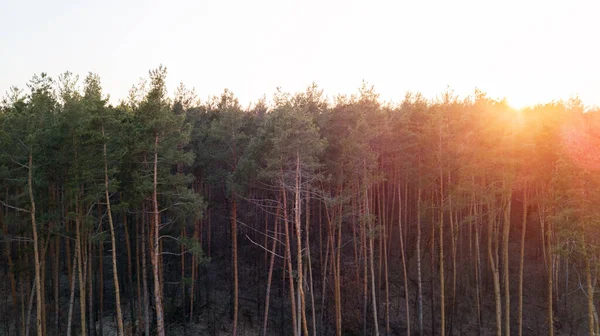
(167, 236)
(264, 248)
(14, 207)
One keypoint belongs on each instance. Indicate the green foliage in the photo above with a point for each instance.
(195, 248)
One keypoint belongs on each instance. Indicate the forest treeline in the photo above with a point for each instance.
(303, 216)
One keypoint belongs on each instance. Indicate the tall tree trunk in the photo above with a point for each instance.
(288, 257)
(453, 243)
(101, 287)
(113, 243)
(402, 254)
(23, 285)
(270, 275)
(432, 266)
(130, 290)
(385, 267)
(477, 269)
(298, 222)
(522, 259)
(155, 255)
(56, 284)
(138, 275)
(145, 274)
(310, 272)
(90, 290)
(419, 266)
(338, 271)
(71, 299)
(324, 270)
(80, 264)
(495, 271)
(194, 266)
(441, 232)
(365, 259)
(36, 253)
(550, 310)
(589, 290)
(505, 238)
(371, 263)
(234, 261)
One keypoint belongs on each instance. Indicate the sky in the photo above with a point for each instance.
(526, 51)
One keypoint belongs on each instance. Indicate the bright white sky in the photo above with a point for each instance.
(528, 51)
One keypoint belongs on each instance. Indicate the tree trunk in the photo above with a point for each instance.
(138, 275)
(270, 275)
(432, 266)
(38, 281)
(365, 259)
(372, 267)
(80, 265)
(495, 272)
(505, 238)
(550, 272)
(155, 255)
(113, 243)
(90, 290)
(338, 272)
(310, 273)
(441, 232)
(419, 277)
(523, 231)
(145, 274)
(477, 271)
(234, 261)
(384, 252)
(101, 287)
(297, 219)
(56, 284)
(71, 299)
(453, 243)
(288, 257)
(130, 290)
(402, 254)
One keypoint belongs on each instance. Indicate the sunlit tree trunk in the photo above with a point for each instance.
(371, 235)
(155, 256)
(384, 252)
(505, 238)
(477, 264)
(419, 266)
(310, 272)
(453, 244)
(298, 224)
(288, 258)
(432, 264)
(113, 244)
(521, 262)
(365, 259)
(402, 254)
(270, 275)
(494, 267)
(71, 299)
(80, 265)
(36, 253)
